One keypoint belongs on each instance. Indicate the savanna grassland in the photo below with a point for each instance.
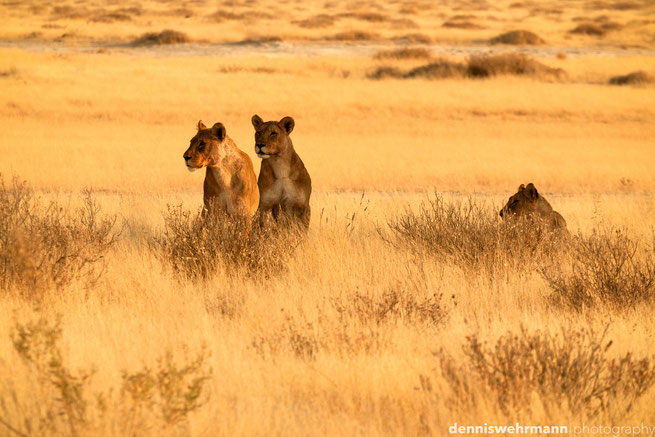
(409, 305)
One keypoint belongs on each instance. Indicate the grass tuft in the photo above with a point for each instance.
(518, 37)
(164, 37)
(634, 78)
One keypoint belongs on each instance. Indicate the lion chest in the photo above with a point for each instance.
(282, 191)
(217, 189)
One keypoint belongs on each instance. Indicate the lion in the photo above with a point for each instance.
(230, 182)
(284, 183)
(528, 203)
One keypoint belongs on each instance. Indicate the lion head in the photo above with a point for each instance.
(272, 137)
(526, 202)
(204, 146)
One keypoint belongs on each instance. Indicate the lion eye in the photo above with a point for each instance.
(273, 134)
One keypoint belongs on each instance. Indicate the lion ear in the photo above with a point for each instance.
(257, 121)
(201, 126)
(219, 131)
(521, 187)
(532, 191)
(287, 124)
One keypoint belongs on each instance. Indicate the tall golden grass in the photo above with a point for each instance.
(408, 306)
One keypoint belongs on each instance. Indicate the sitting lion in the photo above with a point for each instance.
(230, 181)
(528, 203)
(284, 183)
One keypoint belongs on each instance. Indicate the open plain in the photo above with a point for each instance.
(408, 306)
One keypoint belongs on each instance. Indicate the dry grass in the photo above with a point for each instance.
(392, 315)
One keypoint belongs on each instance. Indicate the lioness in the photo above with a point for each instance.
(284, 183)
(527, 202)
(230, 182)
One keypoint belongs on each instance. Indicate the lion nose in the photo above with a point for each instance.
(259, 146)
(501, 213)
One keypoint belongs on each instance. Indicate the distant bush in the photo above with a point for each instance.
(518, 37)
(441, 69)
(634, 78)
(386, 72)
(509, 63)
(162, 38)
(404, 53)
(572, 368)
(461, 24)
(596, 29)
(607, 268)
(47, 246)
(477, 66)
(355, 35)
(317, 21)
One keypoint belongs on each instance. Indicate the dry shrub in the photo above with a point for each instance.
(258, 40)
(478, 66)
(509, 63)
(69, 12)
(625, 6)
(355, 35)
(472, 237)
(607, 268)
(441, 69)
(45, 247)
(317, 21)
(162, 38)
(634, 78)
(65, 392)
(594, 29)
(461, 24)
(572, 368)
(404, 53)
(168, 392)
(546, 11)
(407, 303)
(111, 17)
(518, 37)
(133, 10)
(372, 17)
(617, 6)
(386, 72)
(222, 15)
(198, 246)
